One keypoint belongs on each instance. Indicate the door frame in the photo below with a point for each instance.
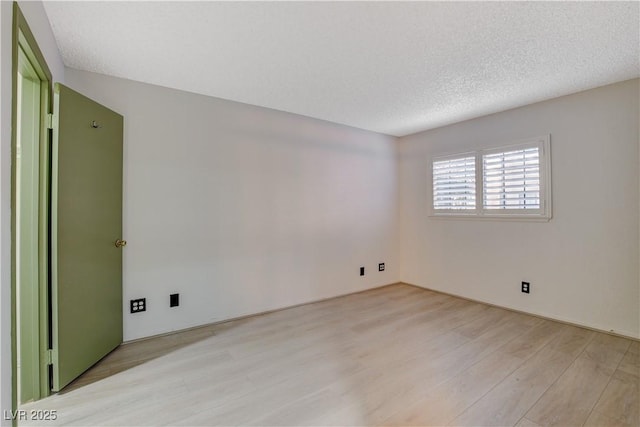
(36, 308)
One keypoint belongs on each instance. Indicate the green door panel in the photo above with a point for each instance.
(86, 215)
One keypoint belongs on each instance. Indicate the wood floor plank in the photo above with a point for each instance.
(509, 401)
(443, 403)
(524, 422)
(492, 316)
(621, 399)
(451, 398)
(395, 379)
(257, 403)
(532, 340)
(589, 373)
(301, 411)
(630, 363)
(572, 340)
(598, 419)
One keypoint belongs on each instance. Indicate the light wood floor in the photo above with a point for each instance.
(397, 355)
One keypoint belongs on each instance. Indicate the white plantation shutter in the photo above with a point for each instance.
(454, 183)
(511, 179)
(509, 182)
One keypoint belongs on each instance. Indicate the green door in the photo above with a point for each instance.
(86, 216)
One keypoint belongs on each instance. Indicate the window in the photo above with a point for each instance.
(505, 182)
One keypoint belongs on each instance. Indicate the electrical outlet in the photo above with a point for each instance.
(525, 287)
(362, 271)
(174, 300)
(138, 305)
(381, 266)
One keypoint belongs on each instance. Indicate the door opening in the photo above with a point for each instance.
(26, 236)
(30, 218)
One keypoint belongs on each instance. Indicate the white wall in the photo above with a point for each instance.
(39, 24)
(583, 264)
(243, 209)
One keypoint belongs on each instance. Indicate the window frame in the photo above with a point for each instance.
(544, 213)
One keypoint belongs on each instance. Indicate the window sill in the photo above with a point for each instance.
(491, 217)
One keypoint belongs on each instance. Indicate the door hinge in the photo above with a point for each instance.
(50, 121)
(49, 357)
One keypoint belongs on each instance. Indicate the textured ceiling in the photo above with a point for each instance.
(391, 67)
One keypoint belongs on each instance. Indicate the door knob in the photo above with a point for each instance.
(120, 243)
